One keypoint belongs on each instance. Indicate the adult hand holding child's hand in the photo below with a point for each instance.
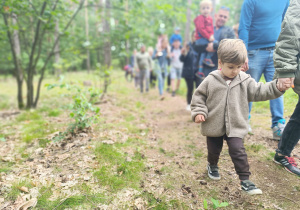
(199, 118)
(284, 84)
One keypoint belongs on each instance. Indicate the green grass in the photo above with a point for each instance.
(5, 167)
(28, 116)
(115, 172)
(15, 190)
(36, 129)
(254, 147)
(86, 199)
(54, 113)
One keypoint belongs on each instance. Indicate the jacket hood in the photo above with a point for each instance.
(242, 76)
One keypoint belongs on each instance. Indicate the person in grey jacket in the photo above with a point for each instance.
(287, 70)
(220, 103)
(143, 65)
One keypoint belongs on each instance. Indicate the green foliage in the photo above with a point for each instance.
(15, 189)
(82, 110)
(215, 204)
(116, 172)
(87, 199)
(36, 129)
(29, 116)
(5, 166)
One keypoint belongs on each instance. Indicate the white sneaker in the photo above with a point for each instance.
(188, 107)
(249, 127)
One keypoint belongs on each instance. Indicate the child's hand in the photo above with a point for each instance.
(211, 38)
(284, 84)
(199, 118)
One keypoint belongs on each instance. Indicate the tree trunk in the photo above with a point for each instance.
(98, 25)
(19, 71)
(88, 64)
(31, 65)
(188, 22)
(56, 50)
(127, 40)
(106, 30)
(213, 10)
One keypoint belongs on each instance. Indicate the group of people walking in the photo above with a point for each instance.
(226, 71)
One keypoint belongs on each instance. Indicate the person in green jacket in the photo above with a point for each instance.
(287, 65)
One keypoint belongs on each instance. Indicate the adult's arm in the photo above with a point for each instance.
(285, 9)
(226, 33)
(288, 44)
(245, 20)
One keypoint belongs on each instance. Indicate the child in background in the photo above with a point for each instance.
(176, 66)
(175, 36)
(204, 33)
(152, 74)
(220, 103)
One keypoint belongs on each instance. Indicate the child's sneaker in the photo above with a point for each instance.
(278, 129)
(208, 62)
(288, 163)
(250, 188)
(213, 172)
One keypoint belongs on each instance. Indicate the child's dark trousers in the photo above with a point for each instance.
(236, 151)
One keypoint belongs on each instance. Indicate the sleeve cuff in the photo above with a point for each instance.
(286, 75)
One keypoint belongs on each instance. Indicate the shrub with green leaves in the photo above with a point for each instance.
(82, 110)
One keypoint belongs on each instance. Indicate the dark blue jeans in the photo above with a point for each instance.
(261, 62)
(291, 133)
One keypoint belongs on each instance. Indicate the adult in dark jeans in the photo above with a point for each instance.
(220, 32)
(189, 58)
(287, 70)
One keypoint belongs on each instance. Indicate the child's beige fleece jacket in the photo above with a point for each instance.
(224, 107)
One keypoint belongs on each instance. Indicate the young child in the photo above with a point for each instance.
(152, 74)
(220, 103)
(204, 32)
(176, 66)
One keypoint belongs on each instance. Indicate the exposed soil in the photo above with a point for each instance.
(175, 156)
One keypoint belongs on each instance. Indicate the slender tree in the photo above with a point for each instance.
(188, 22)
(88, 62)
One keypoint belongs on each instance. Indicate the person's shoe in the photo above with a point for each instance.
(162, 98)
(188, 107)
(173, 93)
(278, 129)
(288, 163)
(168, 89)
(250, 188)
(208, 62)
(213, 172)
(249, 127)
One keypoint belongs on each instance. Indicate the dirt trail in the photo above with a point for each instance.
(178, 162)
(175, 159)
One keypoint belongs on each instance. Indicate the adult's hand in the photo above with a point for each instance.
(285, 83)
(245, 67)
(210, 47)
